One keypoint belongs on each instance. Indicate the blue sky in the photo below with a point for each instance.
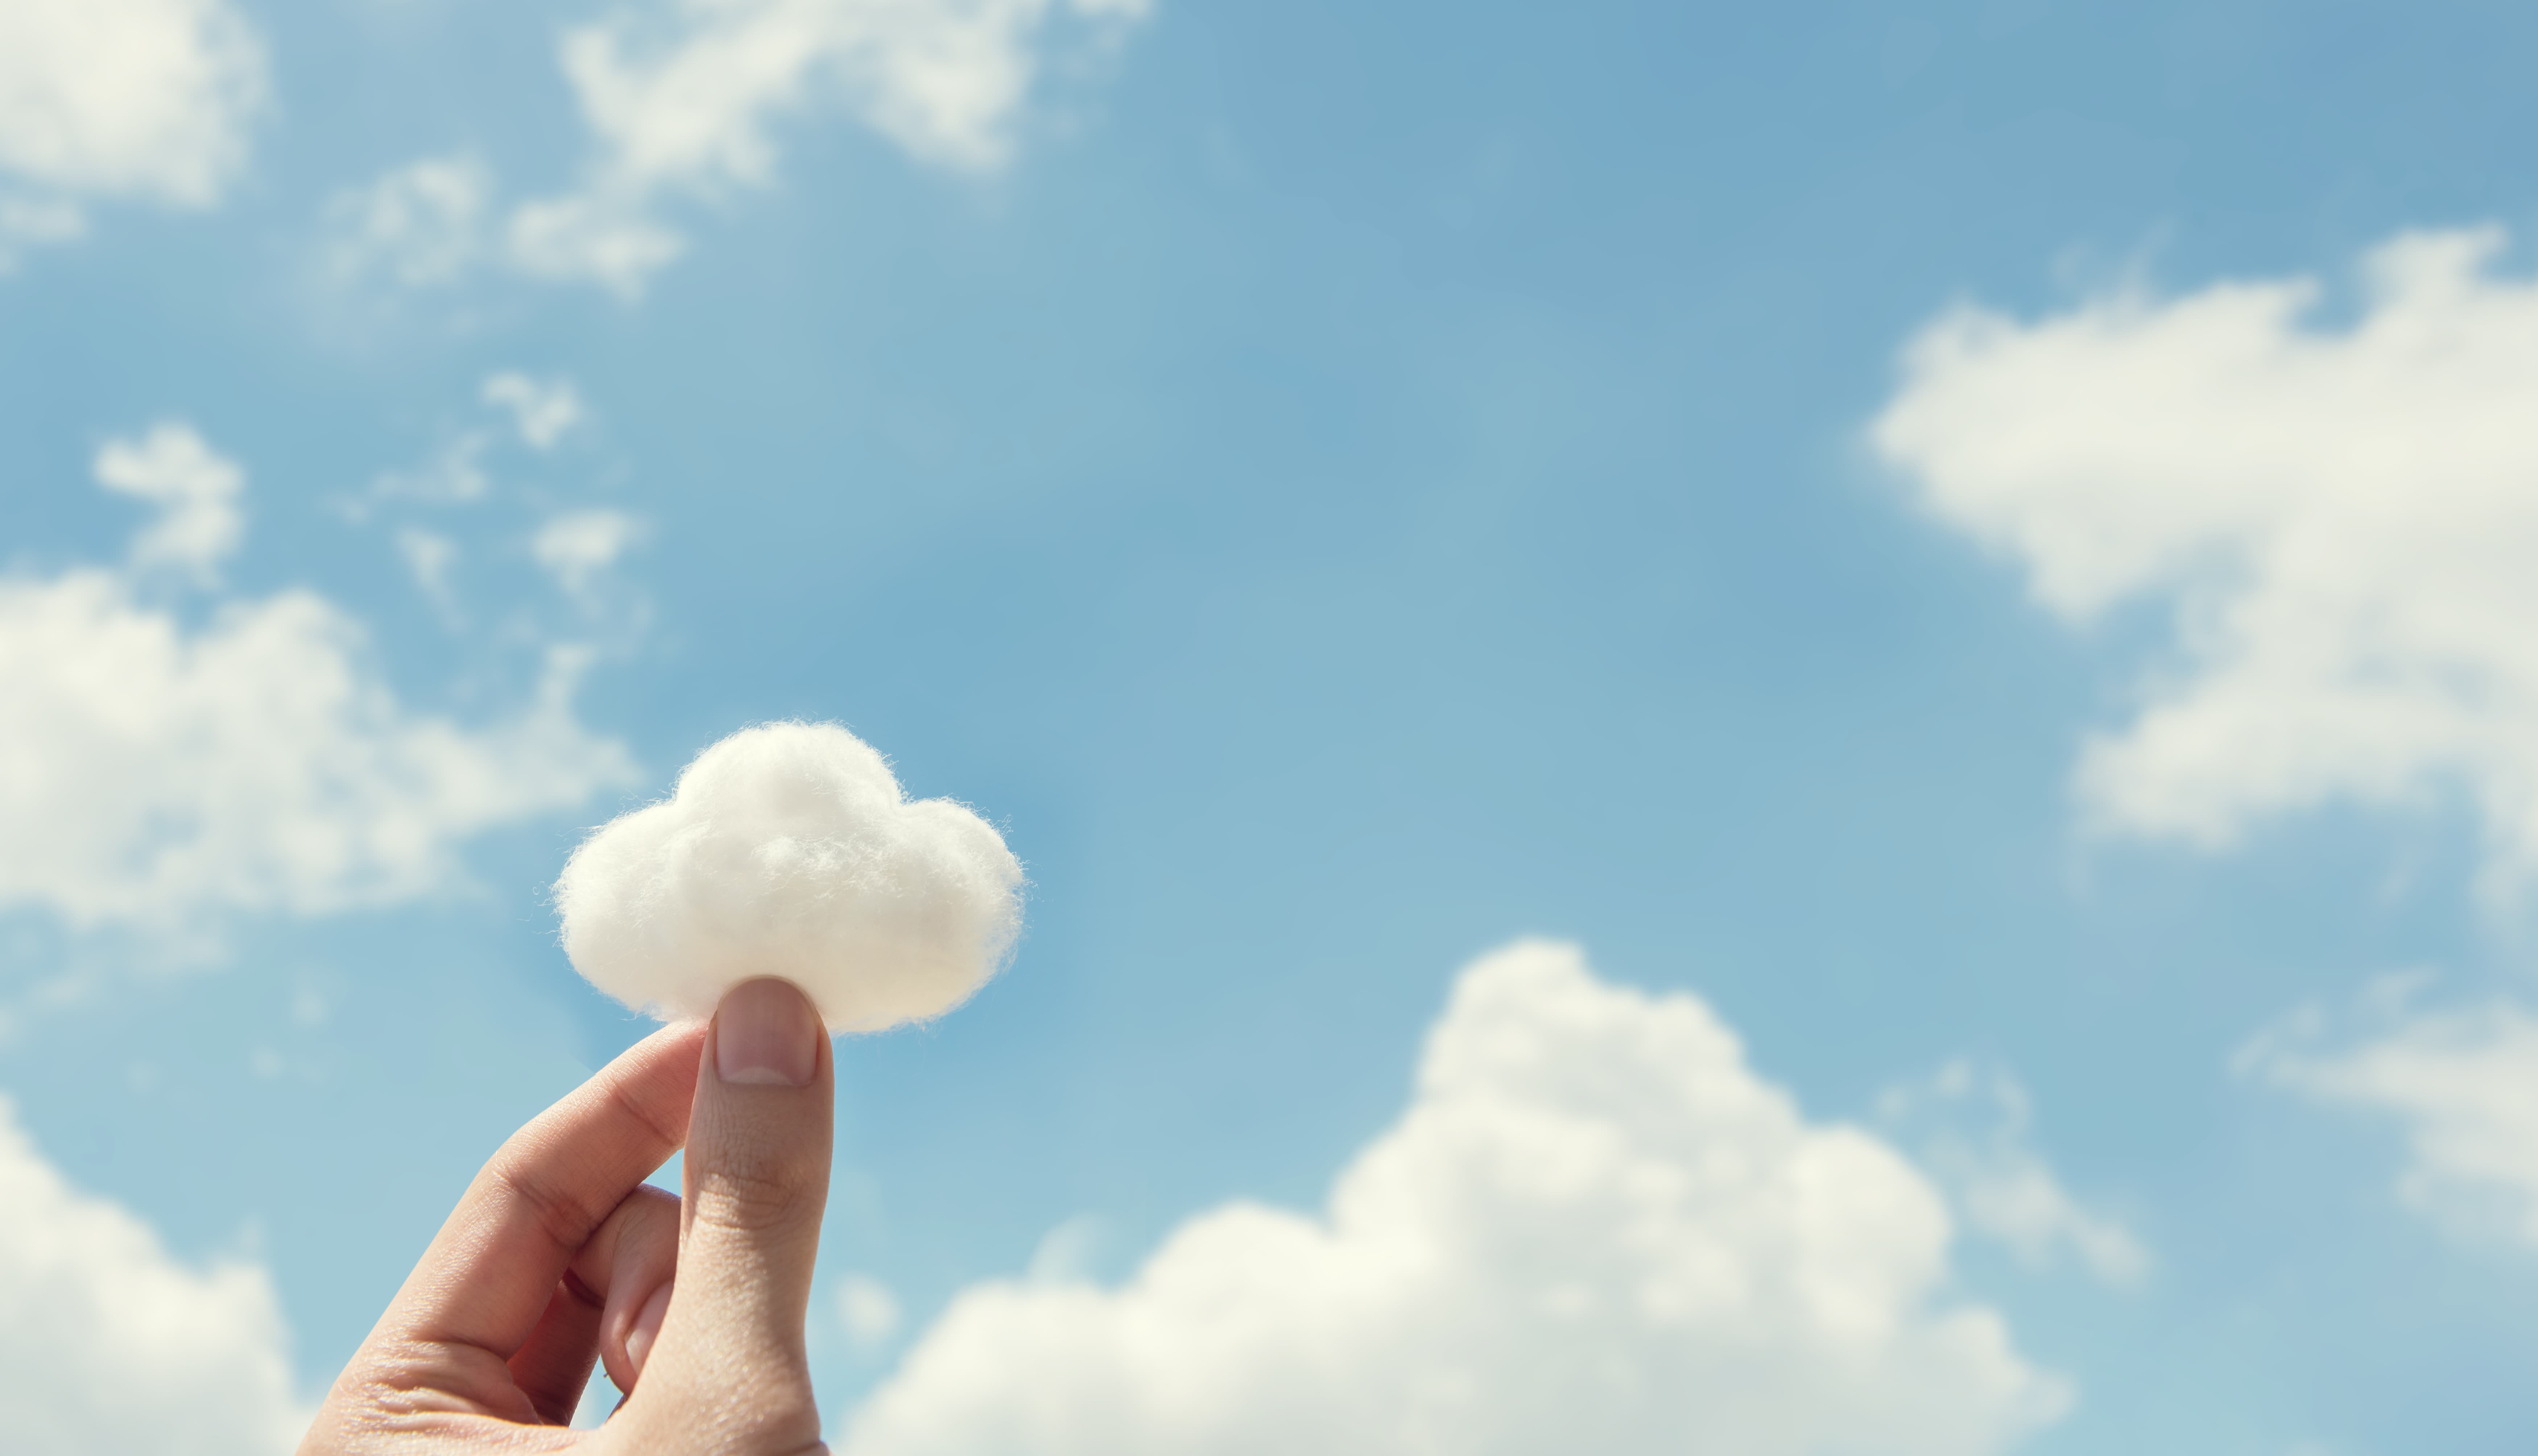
(1346, 488)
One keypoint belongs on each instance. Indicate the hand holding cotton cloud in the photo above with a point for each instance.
(789, 850)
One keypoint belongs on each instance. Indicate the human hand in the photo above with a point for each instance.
(558, 1254)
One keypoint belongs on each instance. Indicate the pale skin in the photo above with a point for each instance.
(560, 1256)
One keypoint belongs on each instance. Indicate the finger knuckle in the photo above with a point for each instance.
(564, 1214)
(757, 1199)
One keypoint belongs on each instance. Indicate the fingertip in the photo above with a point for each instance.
(768, 1033)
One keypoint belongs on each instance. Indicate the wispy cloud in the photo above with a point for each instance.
(1970, 1127)
(2339, 519)
(2460, 1081)
(577, 545)
(420, 225)
(452, 475)
(504, 496)
(428, 558)
(684, 102)
(542, 411)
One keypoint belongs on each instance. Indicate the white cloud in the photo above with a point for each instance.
(27, 222)
(453, 476)
(939, 77)
(156, 769)
(607, 241)
(1066, 1253)
(2340, 520)
(683, 99)
(428, 558)
(1594, 1229)
(195, 489)
(869, 1310)
(147, 100)
(542, 411)
(2462, 1082)
(1970, 1127)
(577, 545)
(111, 1345)
(418, 226)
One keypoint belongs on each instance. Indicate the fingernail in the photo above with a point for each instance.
(646, 1328)
(767, 1034)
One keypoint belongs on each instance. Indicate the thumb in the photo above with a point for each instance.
(728, 1373)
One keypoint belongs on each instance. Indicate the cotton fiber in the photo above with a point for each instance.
(789, 850)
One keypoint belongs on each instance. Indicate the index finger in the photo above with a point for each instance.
(490, 1271)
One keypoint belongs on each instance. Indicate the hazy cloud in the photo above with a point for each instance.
(576, 547)
(2461, 1081)
(542, 410)
(1972, 1128)
(419, 225)
(429, 557)
(453, 475)
(870, 1312)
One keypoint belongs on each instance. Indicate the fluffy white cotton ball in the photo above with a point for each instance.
(788, 850)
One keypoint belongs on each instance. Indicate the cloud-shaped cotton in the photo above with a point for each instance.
(1595, 1229)
(788, 850)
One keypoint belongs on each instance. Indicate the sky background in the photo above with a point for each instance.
(1344, 487)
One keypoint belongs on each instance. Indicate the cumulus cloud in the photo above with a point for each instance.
(112, 1345)
(789, 850)
(1970, 1127)
(2461, 1081)
(160, 767)
(145, 99)
(2339, 520)
(683, 101)
(1594, 1229)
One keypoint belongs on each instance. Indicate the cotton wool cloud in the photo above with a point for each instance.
(790, 850)
(1595, 1228)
